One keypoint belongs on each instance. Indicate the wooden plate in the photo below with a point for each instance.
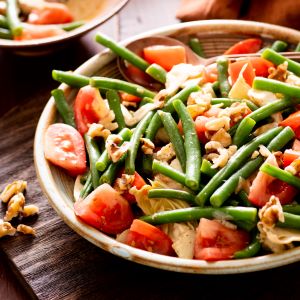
(44, 46)
(216, 37)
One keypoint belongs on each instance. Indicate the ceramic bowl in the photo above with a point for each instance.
(92, 17)
(216, 37)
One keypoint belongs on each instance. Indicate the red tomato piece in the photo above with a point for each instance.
(245, 46)
(235, 69)
(105, 209)
(165, 56)
(148, 237)
(129, 98)
(215, 241)
(64, 147)
(296, 145)
(289, 156)
(261, 66)
(293, 121)
(138, 182)
(84, 108)
(50, 13)
(138, 75)
(201, 129)
(210, 73)
(32, 32)
(264, 186)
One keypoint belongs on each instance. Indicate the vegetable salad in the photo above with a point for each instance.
(204, 167)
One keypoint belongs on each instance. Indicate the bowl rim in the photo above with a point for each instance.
(109, 244)
(85, 28)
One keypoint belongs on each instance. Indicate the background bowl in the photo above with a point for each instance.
(93, 18)
(216, 37)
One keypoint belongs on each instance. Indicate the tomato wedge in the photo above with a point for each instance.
(129, 98)
(148, 237)
(289, 156)
(84, 108)
(50, 13)
(293, 121)
(165, 56)
(264, 186)
(215, 241)
(245, 46)
(235, 68)
(201, 129)
(32, 32)
(105, 209)
(64, 147)
(138, 182)
(261, 66)
(210, 73)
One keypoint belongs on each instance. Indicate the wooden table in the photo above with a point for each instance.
(59, 264)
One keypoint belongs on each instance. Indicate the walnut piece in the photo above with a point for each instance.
(147, 146)
(166, 153)
(98, 130)
(6, 229)
(12, 189)
(279, 73)
(124, 183)
(26, 229)
(115, 152)
(30, 210)
(15, 206)
(223, 137)
(218, 123)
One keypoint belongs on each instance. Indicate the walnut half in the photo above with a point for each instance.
(6, 229)
(11, 189)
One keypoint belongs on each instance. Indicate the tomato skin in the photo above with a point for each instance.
(215, 241)
(245, 47)
(50, 13)
(264, 186)
(165, 56)
(138, 182)
(129, 98)
(84, 111)
(105, 209)
(138, 75)
(64, 147)
(147, 237)
(236, 67)
(293, 121)
(32, 32)
(289, 156)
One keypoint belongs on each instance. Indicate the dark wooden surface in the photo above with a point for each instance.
(59, 264)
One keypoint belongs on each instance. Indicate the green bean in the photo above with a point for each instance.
(297, 49)
(216, 88)
(88, 187)
(5, 34)
(191, 146)
(275, 86)
(281, 174)
(235, 162)
(292, 209)
(172, 194)
(168, 171)
(72, 25)
(243, 131)
(63, 107)
(145, 100)
(222, 67)
(290, 221)
(196, 46)
(157, 72)
(279, 46)
(94, 154)
(228, 187)
(206, 168)
(104, 160)
(278, 59)
(232, 130)
(122, 51)
(135, 142)
(114, 104)
(12, 14)
(111, 172)
(251, 250)
(231, 213)
(228, 102)
(121, 85)
(243, 196)
(174, 136)
(3, 22)
(71, 79)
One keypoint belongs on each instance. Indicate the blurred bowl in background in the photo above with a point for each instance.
(92, 12)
